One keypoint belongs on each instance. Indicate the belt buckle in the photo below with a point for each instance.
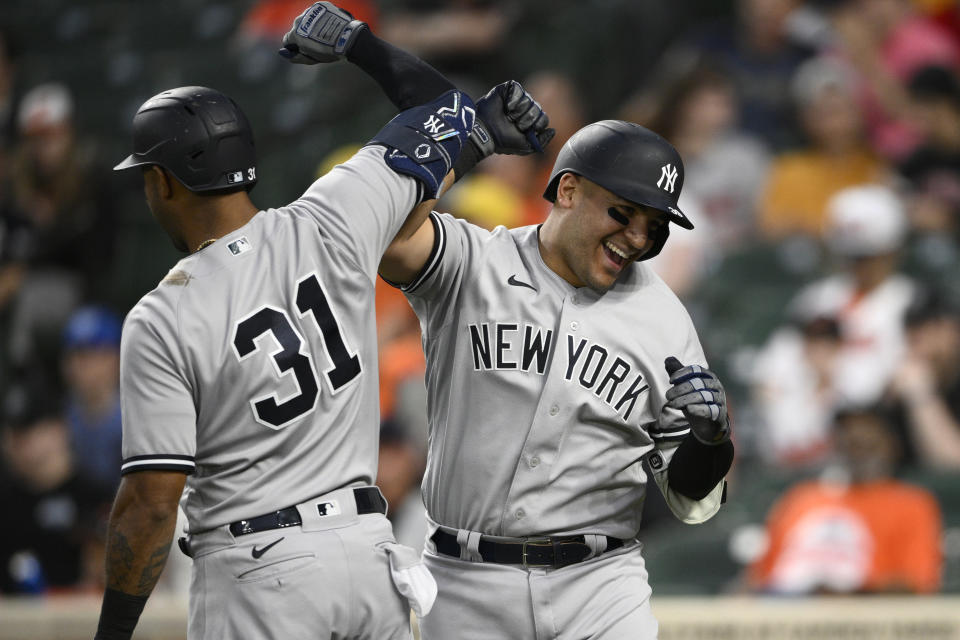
(535, 542)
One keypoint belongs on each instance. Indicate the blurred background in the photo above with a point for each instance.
(821, 140)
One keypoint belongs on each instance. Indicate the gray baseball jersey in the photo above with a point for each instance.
(245, 366)
(543, 397)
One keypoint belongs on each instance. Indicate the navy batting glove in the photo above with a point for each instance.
(697, 392)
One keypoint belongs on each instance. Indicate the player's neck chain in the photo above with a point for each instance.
(206, 243)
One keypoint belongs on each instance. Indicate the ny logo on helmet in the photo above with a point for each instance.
(669, 174)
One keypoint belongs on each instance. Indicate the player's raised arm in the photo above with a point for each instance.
(325, 33)
(509, 121)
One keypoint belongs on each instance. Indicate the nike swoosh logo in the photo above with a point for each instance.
(256, 553)
(513, 280)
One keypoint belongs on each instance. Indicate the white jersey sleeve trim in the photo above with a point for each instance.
(159, 462)
(671, 434)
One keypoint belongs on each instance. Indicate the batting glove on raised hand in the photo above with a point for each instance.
(697, 392)
(322, 33)
(510, 121)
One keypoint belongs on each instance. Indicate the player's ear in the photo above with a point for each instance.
(567, 188)
(159, 180)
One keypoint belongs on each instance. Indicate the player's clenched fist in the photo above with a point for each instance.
(508, 121)
(322, 33)
(513, 121)
(697, 392)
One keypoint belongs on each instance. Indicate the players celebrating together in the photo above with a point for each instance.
(557, 361)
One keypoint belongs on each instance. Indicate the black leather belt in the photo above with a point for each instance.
(559, 551)
(368, 500)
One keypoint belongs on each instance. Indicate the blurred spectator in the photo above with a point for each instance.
(725, 167)
(401, 353)
(758, 51)
(926, 385)
(268, 20)
(933, 169)
(8, 96)
(54, 520)
(836, 155)
(13, 228)
(793, 394)
(861, 532)
(59, 192)
(463, 39)
(562, 100)
(945, 12)
(887, 41)
(91, 369)
(865, 231)
(399, 471)
(498, 193)
(689, 257)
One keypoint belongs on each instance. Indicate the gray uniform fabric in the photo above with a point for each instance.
(253, 368)
(543, 399)
(189, 396)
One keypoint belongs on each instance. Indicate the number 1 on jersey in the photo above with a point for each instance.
(311, 298)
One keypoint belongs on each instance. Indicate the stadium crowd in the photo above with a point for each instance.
(821, 140)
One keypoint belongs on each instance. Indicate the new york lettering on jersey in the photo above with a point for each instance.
(613, 377)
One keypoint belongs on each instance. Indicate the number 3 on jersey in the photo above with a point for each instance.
(312, 299)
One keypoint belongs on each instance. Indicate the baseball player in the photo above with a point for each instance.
(249, 375)
(556, 361)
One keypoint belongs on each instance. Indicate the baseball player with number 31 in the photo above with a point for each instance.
(556, 361)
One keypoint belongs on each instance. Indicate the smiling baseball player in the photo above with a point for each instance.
(249, 375)
(556, 361)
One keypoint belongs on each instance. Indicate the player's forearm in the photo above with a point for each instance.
(407, 80)
(410, 249)
(141, 529)
(138, 543)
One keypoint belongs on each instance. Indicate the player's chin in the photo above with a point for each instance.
(602, 279)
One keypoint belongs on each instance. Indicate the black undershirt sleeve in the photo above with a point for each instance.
(407, 80)
(696, 468)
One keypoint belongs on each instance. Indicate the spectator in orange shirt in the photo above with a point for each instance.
(837, 155)
(861, 532)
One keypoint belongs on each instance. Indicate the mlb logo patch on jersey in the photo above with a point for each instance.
(331, 508)
(240, 245)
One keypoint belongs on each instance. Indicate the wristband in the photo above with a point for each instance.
(119, 615)
(469, 156)
(696, 468)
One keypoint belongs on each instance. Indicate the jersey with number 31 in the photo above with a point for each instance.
(253, 366)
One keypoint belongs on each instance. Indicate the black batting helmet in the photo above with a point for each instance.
(630, 161)
(199, 135)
